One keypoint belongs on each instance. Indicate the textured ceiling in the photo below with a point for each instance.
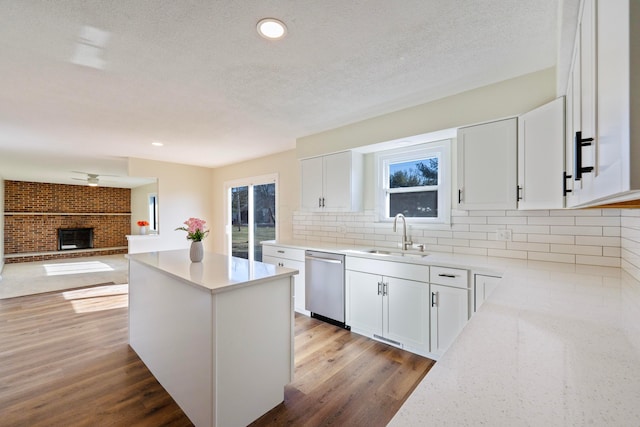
(195, 75)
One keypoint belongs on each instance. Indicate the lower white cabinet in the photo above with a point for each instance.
(289, 258)
(449, 314)
(483, 286)
(450, 303)
(391, 309)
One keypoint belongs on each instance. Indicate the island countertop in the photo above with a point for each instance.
(216, 272)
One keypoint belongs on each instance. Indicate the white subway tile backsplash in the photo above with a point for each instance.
(611, 231)
(507, 253)
(553, 257)
(551, 238)
(469, 251)
(577, 250)
(600, 237)
(608, 221)
(528, 213)
(611, 251)
(576, 231)
(551, 220)
(599, 241)
(598, 260)
(535, 247)
(488, 244)
(506, 220)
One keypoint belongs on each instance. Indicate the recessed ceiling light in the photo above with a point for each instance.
(157, 143)
(272, 29)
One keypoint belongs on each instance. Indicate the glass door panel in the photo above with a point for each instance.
(240, 222)
(264, 216)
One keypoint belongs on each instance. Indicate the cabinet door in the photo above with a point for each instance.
(449, 314)
(311, 173)
(587, 47)
(487, 164)
(618, 38)
(406, 312)
(299, 290)
(483, 287)
(572, 115)
(541, 157)
(337, 181)
(364, 302)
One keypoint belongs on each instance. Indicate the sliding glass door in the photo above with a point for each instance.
(252, 216)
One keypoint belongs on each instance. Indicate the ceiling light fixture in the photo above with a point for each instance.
(157, 143)
(271, 29)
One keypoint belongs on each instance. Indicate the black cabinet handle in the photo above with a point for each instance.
(447, 275)
(579, 143)
(565, 177)
(433, 299)
(459, 196)
(518, 193)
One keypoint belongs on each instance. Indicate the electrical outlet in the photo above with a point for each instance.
(503, 234)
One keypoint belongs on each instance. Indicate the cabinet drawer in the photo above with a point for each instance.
(450, 276)
(419, 273)
(282, 252)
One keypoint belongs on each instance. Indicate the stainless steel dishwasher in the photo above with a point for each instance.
(324, 286)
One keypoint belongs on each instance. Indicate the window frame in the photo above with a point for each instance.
(440, 149)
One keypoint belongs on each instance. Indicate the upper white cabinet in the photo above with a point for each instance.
(541, 157)
(332, 183)
(604, 85)
(487, 165)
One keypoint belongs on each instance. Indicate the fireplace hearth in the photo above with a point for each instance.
(75, 238)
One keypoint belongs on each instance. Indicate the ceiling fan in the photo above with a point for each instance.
(92, 179)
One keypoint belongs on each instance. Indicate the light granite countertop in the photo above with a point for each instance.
(216, 272)
(554, 345)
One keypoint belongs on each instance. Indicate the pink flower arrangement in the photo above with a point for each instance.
(195, 229)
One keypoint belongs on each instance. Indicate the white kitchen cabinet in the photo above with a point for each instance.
(540, 157)
(289, 258)
(391, 309)
(449, 306)
(605, 83)
(483, 286)
(332, 183)
(487, 165)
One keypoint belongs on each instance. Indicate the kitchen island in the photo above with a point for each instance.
(218, 335)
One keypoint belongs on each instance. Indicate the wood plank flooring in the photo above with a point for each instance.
(65, 361)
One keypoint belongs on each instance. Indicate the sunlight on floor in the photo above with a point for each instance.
(60, 269)
(98, 298)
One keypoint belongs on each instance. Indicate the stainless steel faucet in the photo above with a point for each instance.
(406, 243)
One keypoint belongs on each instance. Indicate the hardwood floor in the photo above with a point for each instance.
(65, 361)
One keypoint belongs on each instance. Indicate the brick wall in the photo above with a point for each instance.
(34, 211)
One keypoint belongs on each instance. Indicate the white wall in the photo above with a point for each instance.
(140, 204)
(1, 225)
(284, 164)
(503, 99)
(183, 192)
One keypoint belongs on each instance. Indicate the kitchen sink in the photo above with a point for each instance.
(408, 254)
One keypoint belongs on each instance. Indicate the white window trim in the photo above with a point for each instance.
(248, 182)
(443, 150)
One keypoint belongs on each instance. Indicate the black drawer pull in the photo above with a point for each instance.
(451, 276)
(280, 252)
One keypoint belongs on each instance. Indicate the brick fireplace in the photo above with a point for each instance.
(35, 212)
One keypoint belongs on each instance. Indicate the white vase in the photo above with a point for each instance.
(196, 252)
(143, 230)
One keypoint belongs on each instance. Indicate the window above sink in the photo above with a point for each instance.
(415, 181)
